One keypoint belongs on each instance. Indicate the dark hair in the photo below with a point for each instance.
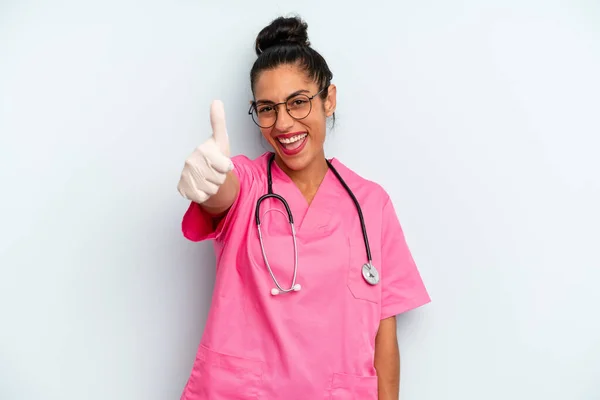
(285, 41)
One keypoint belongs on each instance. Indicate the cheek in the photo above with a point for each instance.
(317, 127)
(266, 134)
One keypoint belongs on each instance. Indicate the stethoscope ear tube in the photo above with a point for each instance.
(294, 286)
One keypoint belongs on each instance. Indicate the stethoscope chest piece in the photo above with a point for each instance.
(370, 274)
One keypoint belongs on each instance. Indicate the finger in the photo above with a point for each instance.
(210, 189)
(190, 192)
(220, 162)
(216, 177)
(219, 127)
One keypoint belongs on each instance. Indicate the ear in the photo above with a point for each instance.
(330, 101)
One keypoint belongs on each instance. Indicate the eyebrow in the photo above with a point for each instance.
(296, 93)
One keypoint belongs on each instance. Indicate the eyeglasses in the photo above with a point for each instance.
(298, 106)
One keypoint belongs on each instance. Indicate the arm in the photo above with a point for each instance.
(387, 360)
(402, 290)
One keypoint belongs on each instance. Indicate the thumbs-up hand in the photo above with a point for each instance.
(206, 169)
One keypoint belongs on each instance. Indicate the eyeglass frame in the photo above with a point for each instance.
(276, 108)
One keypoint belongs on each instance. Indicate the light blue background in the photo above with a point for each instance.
(480, 118)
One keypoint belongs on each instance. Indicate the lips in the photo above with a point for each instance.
(292, 143)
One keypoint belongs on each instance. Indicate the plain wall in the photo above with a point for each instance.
(480, 118)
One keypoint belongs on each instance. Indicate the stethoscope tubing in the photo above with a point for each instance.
(270, 194)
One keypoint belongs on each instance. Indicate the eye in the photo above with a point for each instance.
(265, 109)
(298, 102)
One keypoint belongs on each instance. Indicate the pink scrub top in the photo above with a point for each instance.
(316, 343)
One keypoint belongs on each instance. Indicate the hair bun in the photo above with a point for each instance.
(282, 31)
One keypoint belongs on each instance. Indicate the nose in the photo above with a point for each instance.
(284, 120)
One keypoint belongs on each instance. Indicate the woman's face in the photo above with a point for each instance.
(297, 142)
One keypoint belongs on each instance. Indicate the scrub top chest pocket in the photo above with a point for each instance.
(357, 257)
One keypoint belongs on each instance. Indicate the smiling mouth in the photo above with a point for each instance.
(292, 142)
(292, 145)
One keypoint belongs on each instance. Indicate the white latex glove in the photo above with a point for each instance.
(206, 168)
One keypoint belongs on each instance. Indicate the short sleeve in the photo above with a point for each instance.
(402, 286)
(198, 225)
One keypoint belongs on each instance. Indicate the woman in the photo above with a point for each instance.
(295, 312)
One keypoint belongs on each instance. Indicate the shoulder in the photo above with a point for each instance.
(250, 168)
(365, 189)
(245, 161)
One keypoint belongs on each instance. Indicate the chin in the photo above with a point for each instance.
(297, 162)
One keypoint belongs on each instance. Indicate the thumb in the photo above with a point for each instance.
(219, 128)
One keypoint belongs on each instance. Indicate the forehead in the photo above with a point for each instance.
(278, 83)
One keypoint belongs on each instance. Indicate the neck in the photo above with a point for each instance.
(307, 178)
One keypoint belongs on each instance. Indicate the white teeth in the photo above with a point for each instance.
(292, 139)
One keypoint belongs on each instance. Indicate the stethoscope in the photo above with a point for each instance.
(369, 272)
